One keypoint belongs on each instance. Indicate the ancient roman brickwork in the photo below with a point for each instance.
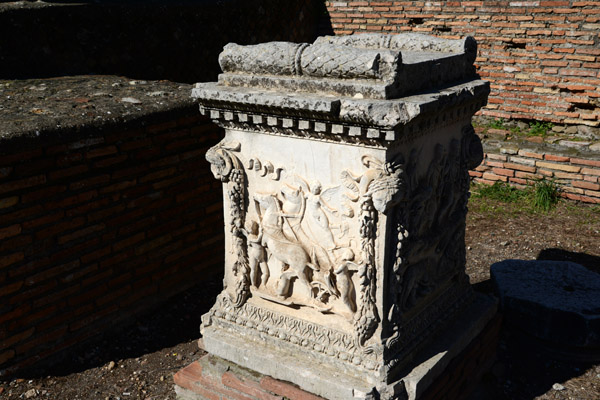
(100, 224)
(181, 39)
(579, 178)
(541, 57)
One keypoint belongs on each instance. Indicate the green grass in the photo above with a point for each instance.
(537, 128)
(497, 123)
(542, 197)
(500, 191)
(545, 195)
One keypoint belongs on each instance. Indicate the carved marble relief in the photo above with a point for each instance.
(227, 167)
(429, 228)
(303, 245)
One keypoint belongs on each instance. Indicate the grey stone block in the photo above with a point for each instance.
(556, 301)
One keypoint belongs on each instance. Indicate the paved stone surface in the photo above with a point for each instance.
(555, 301)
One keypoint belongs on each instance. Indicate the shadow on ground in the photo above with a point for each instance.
(590, 262)
(527, 368)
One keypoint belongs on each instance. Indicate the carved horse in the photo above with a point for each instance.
(292, 255)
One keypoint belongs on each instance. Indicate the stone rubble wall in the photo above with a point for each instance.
(102, 225)
(524, 163)
(541, 57)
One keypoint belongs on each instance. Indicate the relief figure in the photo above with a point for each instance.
(293, 257)
(257, 256)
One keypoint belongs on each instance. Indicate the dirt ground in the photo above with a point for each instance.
(138, 362)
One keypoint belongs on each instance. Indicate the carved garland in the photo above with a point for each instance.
(366, 317)
(230, 170)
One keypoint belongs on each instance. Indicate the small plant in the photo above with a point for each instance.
(515, 130)
(538, 128)
(545, 194)
(500, 191)
(497, 124)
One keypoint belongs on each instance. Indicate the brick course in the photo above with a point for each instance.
(93, 229)
(541, 58)
(578, 178)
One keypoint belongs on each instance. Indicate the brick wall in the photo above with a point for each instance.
(178, 40)
(578, 177)
(96, 225)
(541, 57)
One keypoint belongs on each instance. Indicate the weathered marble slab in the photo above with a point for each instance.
(364, 66)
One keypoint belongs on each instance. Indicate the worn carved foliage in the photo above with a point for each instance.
(430, 236)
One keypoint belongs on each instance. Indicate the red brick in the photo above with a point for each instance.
(10, 259)
(581, 161)
(590, 171)
(9, 201)
(246, 386)
(15, 243)
(579, 197)
(7, 289)
(552, 157)
(520, 167)
(567, 175)
(46, 218)
(80, 233)
(101, 151)
(87, 207)
(16, 338)
(44, 193)
(68, 159)
(93, 181)
(102, 214)
(503, 171)
(191, 378)
(60, 227)
(22, 183)
(41, 339)
(107, 162)
(519, 181)
(585, 185)
(10, 231)
(66, 172)
(7, 159)
(593, 193)
(91, 317)
(129, 241)
(527, 175)
(286, 389)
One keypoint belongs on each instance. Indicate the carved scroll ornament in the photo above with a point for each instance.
(230, 170)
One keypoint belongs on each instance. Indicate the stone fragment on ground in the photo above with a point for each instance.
(555, 301)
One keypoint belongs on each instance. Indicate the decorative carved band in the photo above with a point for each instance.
(262, 323)
(333, 131)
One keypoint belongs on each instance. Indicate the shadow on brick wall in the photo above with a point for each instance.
(178, 41)
(172, 322)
